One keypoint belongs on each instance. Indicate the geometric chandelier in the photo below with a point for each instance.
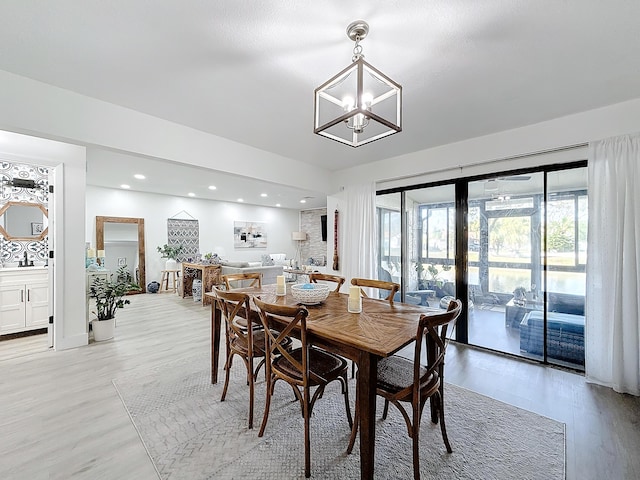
(360, 104)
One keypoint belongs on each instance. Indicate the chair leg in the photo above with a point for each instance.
(251, 390)
(416, 454)
(385, 412)
(267, 404)
(443, 428)
(307, 437)
(227, 367)
(354, 427)
(345, 391)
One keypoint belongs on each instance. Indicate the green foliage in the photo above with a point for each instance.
(170, 251)
(109, 295)
(433, 271)
(123, 275)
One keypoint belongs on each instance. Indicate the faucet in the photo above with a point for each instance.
(24, 263)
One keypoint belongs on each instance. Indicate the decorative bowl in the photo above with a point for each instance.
(310, 293)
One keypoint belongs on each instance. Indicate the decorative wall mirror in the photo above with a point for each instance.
(100, 243)
(24, 221)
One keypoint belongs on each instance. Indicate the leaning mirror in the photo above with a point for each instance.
(23, 221)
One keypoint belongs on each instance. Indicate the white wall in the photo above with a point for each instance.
(215, 222)
(66, 228)
(501, 151)
(36, 108)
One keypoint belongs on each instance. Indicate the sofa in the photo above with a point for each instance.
(565, 329)
(269, 273)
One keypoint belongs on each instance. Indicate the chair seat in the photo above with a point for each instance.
(239, 344)
(321, 363)
(395, 374)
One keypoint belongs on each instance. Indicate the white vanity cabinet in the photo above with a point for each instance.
(24, 299)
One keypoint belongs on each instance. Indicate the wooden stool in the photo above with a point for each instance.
(164, 283)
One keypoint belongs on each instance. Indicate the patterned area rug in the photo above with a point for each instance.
(190, 434)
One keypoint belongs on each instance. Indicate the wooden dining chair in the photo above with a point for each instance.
(383, 287)
(325, 277)
(401, 380)
(246, 343)
(236, 280)
(302, 368)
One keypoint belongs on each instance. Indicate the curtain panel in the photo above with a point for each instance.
(359, 232)
(612, 348)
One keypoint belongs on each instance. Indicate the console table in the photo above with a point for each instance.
(209, 274)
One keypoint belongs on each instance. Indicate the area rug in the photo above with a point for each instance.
(190, 434)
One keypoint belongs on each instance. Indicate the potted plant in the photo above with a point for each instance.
(171, 252)
(109, 298)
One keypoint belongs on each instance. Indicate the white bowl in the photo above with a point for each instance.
(310, 293)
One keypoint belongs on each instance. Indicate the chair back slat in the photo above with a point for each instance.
(292, 317)
(381, 285)
(325, 277)
(231, 279)
(232, 305)
(435, 330)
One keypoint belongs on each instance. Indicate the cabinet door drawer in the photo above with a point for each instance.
(37, 305)
(12, 308)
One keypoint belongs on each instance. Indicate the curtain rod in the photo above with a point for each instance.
(490, 162)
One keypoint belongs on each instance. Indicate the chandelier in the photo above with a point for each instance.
(360, 104)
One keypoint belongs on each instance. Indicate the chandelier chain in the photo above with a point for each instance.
(357, 50)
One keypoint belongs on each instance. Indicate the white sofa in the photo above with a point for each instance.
(269, 273)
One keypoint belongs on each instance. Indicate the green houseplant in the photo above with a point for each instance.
(171, 252)
(109, 298)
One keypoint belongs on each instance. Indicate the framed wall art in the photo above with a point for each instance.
(249, 235)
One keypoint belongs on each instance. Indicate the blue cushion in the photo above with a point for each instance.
(556, 321)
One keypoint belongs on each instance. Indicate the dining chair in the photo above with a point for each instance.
(384, 288)
(247, 343)
(235, 280)
(401, 380)
(302, 367)
(325, 277)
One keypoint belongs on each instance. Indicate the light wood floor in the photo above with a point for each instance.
(61, 418)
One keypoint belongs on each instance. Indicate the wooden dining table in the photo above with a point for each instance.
(380, 330)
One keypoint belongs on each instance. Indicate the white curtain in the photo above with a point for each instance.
(359, 233)
(612, 349)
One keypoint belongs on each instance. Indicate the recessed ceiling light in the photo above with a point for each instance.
(263, 194)
(241, 199)
(212, 187)
(191, 194)
(139, 176)
(303, 201)
(125, 186)
(278, 205)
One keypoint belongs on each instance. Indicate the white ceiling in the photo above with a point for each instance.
(246, 71)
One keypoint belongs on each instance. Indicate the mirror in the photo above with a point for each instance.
(138, 224)
(23, 221)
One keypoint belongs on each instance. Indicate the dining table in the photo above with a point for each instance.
(379, 330)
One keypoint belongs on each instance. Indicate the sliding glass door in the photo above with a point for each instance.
(504, 257)
(521, 256)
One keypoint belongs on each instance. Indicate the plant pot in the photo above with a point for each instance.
(103, 329)
(171, 264)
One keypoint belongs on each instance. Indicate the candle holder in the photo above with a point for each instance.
(354, 304)
(281, 286)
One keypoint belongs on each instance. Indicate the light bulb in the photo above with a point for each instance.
(348, 104)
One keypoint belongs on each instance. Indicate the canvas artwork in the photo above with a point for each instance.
(186, 233)
(249, 235)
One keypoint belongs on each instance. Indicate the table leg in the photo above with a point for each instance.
(216, 317)
(367, 379)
